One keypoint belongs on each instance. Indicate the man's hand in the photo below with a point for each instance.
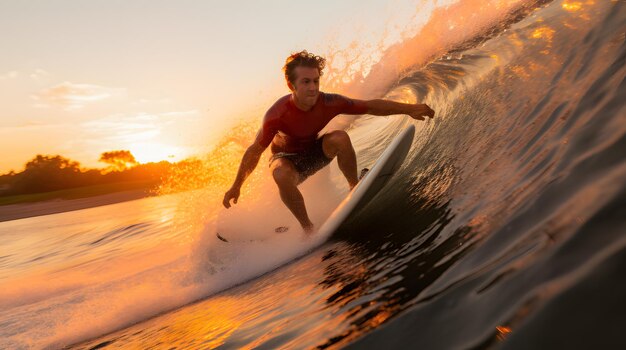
(233, 194)
(419, 111)
(248, 163)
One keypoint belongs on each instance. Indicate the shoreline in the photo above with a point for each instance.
(26, 210)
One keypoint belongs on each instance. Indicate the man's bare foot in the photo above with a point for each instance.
(363, 173)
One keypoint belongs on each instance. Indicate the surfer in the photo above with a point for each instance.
(292, 125)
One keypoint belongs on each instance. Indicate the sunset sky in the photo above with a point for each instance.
(163, 79)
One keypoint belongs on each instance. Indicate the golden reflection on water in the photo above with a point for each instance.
(503, 332)
(572, 6)
(520, 72)
(216, 325)
(544, 32)
(202, 328)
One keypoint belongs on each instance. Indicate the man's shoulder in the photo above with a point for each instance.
(278, 108)
(332, 99)
(329, 97)
(282, 102)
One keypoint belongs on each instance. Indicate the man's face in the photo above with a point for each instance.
(306, 87)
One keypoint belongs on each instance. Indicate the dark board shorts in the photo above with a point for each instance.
(306, 163)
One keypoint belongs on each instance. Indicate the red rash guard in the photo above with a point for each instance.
(293, 130)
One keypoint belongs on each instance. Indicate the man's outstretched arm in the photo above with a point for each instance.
(386, 107)
(248, 164)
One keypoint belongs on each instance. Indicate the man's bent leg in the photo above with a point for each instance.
(337, 143)
(287, 178)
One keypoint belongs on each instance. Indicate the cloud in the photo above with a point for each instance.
(71, 96)
(158, 118)
(178, 114)
(9, 75)
(39, 74)
(116, 132)
(124, 129)
(146, 101)
(31, 126)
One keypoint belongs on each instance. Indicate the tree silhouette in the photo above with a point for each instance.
(118, 160)
(52, 162)
(47, 173)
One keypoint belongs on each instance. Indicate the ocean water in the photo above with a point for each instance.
(505, 227)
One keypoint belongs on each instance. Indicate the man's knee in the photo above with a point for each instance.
(339, 137)
(335, 142)
(284, 173)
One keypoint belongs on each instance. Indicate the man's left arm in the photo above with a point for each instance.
(385, 107)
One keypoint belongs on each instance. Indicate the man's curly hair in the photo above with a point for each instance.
(302, 59)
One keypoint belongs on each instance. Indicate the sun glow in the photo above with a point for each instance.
(156, 152)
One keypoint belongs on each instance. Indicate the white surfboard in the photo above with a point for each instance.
(368, 187)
